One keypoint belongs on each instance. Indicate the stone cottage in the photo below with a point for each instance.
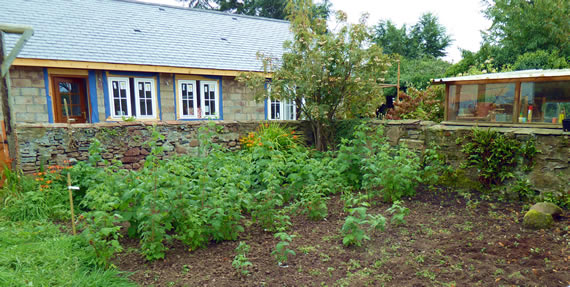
(120, 66)
(112, 60)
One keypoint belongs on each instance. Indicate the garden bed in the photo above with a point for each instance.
(446, 241)
(226, 218)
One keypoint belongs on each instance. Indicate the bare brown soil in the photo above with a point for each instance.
(445, 242)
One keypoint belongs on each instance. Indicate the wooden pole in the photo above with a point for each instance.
(7, 104)
(69, 187)
(398, 84)
(71, 202)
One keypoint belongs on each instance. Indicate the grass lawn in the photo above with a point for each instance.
(39, 254)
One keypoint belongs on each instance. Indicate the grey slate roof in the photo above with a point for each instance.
(104, 31)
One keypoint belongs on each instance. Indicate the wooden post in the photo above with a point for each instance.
(6, 99)
(7, 104)
(69, 188)
(71, 201)
(398, 84)
(517, 103)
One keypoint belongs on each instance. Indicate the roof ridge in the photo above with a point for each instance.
(142, 2)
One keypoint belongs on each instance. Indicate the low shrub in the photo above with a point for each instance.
(419, 105)
(273, 136)
(494, 155)
(42, 196)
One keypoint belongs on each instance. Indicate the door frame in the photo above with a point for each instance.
(57, 112)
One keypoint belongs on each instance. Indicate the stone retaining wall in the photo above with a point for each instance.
(125, 141)
(551, 171)
(50, 144)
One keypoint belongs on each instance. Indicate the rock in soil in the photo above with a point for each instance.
(548, 208)
(534, 219)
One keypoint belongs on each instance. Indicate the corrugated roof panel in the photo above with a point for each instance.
(507, 75)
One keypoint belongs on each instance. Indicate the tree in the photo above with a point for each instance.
(430, 36)
(540, 60)
(201, 4)
(524, 35)
(488, 59)
(328, 74)
(426, 38)
(415, 73)
(267, 8)
(392, 39)
(521, 26)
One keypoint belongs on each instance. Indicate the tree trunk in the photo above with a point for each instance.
(320, 135)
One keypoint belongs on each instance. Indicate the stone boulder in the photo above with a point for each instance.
(548, 208)
(537, 220)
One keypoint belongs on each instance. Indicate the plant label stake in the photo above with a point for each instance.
(69, 187)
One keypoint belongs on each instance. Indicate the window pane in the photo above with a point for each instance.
(483, 102)
(123, 107)
(452, 104)
(76, 110)
(544, 102)
(116, 89)
(275, 110)
(184, 107)
(187, 100)
(64, 87)
(75, 99)
(117, 107)
(123, 93)
(149, 107)
(142, 107)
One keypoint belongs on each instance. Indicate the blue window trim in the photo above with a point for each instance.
(156, 77)
(221, 96)
(48, 97)
(106, 95)
(265, 106)
(158, 96)
(174, 89)
(221, 105)
(93, 96)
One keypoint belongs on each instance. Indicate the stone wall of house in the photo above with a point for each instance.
(30, 102)
(100, 95)
(239, 104)
(29, 93)
(167, 97)
(50, 144)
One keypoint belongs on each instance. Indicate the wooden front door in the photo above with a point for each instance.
(72, 90)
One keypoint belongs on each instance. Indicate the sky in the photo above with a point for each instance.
(462, 19)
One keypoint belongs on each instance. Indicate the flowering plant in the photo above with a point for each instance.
(272, 136)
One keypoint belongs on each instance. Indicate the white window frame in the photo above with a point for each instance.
(216, 115)
(112, 99)
(153, 98)
(180, 100)
(283, 105)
